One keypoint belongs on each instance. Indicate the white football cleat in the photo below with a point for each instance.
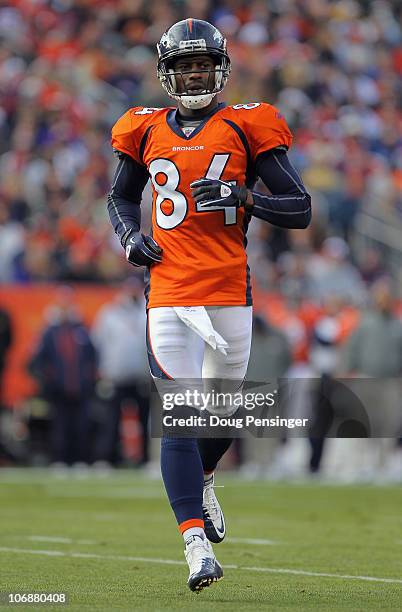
(204, 568)
(214, 521)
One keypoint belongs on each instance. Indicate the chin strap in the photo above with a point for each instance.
(195, 102)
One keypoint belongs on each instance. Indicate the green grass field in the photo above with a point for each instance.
(112, 544)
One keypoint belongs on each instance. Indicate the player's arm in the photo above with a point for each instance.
(266, 136)
(288, 206)
(123, 203)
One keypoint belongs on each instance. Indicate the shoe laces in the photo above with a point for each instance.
(210, 500)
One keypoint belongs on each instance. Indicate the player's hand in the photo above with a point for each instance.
(142, 250)
(212, 192)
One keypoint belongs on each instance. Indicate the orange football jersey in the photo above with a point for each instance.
(204, 259)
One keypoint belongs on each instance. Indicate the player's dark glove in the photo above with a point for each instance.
(212, 192)
(141, 250)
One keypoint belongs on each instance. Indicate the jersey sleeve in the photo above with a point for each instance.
(266, 129)
(127, 134)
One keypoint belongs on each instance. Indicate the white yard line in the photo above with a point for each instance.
(116, 493)
(46, 553)
(58, 540)
(269, 570)
(253, 541)
(35, 538)
(63, 540)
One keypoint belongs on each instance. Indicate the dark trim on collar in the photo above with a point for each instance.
(175, 127)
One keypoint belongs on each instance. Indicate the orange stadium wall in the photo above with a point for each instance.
(27, 306)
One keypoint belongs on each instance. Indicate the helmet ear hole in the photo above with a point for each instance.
(218, 77)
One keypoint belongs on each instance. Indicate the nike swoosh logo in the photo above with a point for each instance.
(220, 529)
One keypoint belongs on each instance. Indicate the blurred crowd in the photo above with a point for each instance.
(70, 68)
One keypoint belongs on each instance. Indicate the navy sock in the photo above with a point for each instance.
(183, 477)
(212, 450)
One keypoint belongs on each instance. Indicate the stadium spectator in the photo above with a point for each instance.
(118, 334)
(270, 355)
(64, 362)
(330, 273)
(372, 266)
(375, 348)
(374, 351)
(270, 359)
(324, 357)
(6, 338)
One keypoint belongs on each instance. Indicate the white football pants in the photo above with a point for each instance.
(178, 352)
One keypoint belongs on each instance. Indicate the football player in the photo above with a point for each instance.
(203, 158)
